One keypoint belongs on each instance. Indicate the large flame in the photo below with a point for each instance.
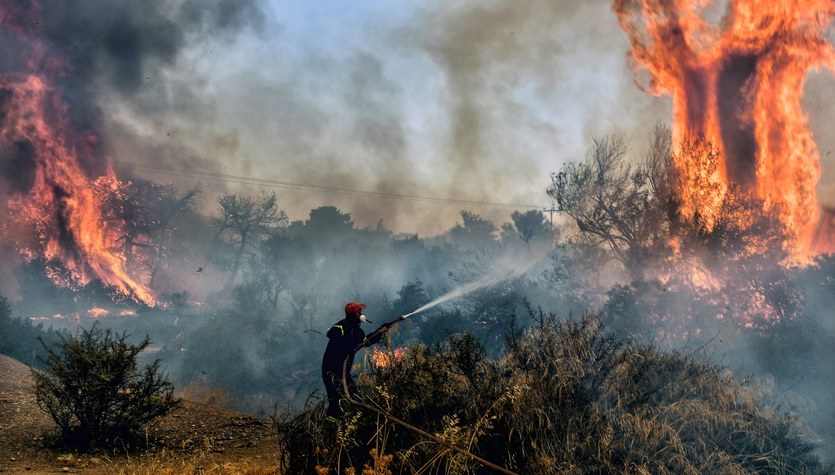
(61, 205)
(738, 86)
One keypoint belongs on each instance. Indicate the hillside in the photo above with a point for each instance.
(195, 438)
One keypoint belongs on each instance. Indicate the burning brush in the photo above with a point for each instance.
(57, 201)
(385, 358)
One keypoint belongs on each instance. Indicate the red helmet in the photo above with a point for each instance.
(354, 308)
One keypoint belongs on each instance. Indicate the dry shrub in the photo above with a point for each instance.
(565, 398)
(305, 440)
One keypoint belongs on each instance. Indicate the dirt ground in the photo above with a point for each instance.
(195, 438)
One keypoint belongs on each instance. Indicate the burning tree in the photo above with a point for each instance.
(62, 167)
(145, 215)
(738, 85)
(629, 209)
(732, 254)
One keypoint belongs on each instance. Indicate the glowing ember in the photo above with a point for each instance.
(98, 312)
(61, 206)
(738, 87)
(383, 358)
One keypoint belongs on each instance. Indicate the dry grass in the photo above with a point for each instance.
(172, 463)
(565, 398)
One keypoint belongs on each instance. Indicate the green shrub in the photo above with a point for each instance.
(95, 391)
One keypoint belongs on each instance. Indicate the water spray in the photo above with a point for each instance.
(493, 278)
(498, 276)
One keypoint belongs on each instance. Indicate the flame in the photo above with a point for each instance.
(737, 86)
(384, 358)
(61, 206)
(825, 236)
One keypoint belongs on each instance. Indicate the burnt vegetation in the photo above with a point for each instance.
(245, 296)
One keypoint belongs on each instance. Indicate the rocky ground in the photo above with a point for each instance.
(195, 438)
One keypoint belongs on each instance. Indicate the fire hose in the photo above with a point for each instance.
(432, 437)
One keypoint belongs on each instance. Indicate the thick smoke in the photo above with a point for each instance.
(93, 54)
(454, 101)
(449, 100)
(126, 51)
(93, 50)
(121, 50)
(484, 50)
(516, 97)
(116, 46)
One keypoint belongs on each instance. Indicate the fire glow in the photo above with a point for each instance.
(98, 312)
(61, 205)
(384, 358)
(738, 87)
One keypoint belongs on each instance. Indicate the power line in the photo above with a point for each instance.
(245, 180)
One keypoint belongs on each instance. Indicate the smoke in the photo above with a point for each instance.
(819, 102)
(473, 101)
(477, 101)
(116, 46)
(486, 51)
(518, 97)
(120, 51)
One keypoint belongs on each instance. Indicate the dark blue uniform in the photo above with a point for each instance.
(343, 337)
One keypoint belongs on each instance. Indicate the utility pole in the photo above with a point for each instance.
(551, 212)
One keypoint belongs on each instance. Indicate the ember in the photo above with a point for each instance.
(98, 312)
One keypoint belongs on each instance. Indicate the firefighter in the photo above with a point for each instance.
(343, 337)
